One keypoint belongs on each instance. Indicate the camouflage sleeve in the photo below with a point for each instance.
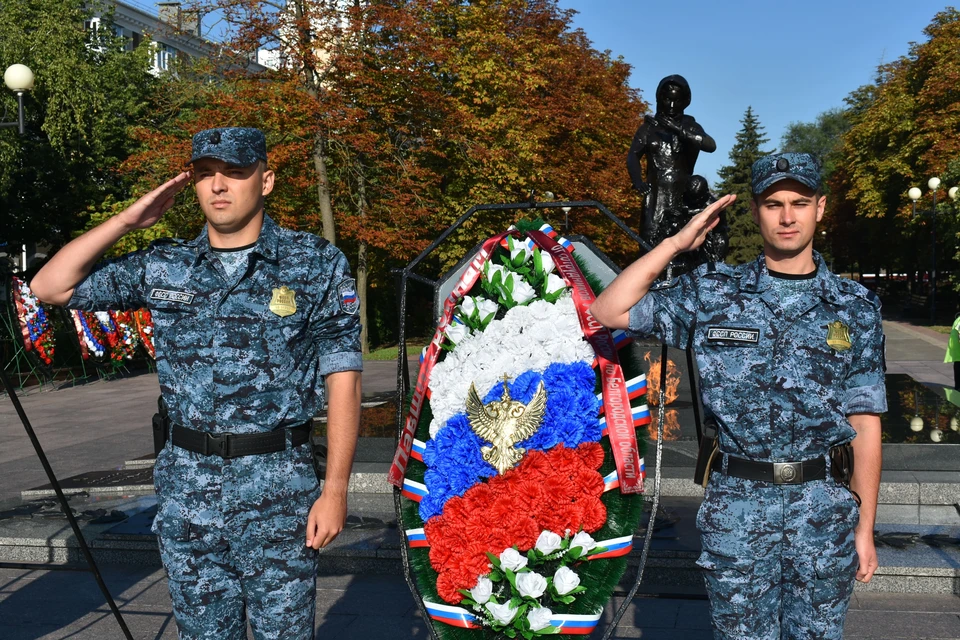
(667, 312)
(864, 389)
(335, 326)
(117, 284)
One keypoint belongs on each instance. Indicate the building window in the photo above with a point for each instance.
(92, 26)
(163, 56)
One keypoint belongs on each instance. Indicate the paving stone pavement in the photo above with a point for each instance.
(99, 425)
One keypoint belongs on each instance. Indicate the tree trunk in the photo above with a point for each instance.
(323, 191)
(362, 260)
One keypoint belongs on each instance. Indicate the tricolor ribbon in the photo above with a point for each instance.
(636, 387)
(417, 539)
(621, 338)
(568, 623)
(454, 616)
(613, 548)
(640, 415)
(616, 402)
(467, 280)
(419, 446)
(414, 490)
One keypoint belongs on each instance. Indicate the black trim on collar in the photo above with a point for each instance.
(232, 249)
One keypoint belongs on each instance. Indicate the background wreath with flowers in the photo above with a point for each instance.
(34, 323)
(538, 548)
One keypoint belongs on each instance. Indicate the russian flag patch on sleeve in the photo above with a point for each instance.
(349, 301)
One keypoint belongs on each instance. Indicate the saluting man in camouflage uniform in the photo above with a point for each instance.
(791, 369)
(250, 320)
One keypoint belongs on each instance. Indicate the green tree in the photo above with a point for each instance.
(745, 240)
(87, 89)
(905, 128)
(821, 138)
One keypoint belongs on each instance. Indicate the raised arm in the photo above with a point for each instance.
(55, 282)
(612, 307)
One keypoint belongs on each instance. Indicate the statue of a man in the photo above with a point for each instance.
(671, 142)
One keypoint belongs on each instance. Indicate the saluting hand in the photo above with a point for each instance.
(146, 211)
(695, 232)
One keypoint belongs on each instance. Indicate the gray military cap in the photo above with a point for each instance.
(241, 146)
(769, 170)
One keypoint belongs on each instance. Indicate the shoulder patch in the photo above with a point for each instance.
(347, 294)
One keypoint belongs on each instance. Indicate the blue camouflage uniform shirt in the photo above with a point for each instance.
(227, 363)
(777, 389)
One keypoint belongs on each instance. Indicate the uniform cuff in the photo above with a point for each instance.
(334, 362)
(77, 300)
(641, 316)
(871, 399)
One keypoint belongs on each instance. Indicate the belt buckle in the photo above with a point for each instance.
(787, 473)
(218, 444)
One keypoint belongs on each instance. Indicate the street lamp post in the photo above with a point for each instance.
(18, 79)
(914, 193)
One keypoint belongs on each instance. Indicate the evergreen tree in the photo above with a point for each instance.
(745, 241)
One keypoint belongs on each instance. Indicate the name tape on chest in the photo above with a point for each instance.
(733, 334)
(166, 295)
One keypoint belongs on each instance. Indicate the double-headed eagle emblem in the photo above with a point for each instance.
(504, 423)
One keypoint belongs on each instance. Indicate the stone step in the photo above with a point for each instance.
(913, 559)
(906, 497)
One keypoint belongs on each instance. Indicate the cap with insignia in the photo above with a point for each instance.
(240, 146)
(769, 170)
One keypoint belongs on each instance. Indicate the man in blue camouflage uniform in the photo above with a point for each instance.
(791, 365)
(250, 321)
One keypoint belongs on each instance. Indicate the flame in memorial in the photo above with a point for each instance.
(671, 418)
(653, 380)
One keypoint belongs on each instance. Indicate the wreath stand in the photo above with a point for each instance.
(408, 273)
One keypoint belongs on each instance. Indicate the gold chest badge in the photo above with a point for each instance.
(838, 336)
(284, 302)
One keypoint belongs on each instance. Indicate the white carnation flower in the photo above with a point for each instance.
(539, 618)
(548, 542)
(512, 559)
(502, 613)
(531, 584)
(522, 291)
(565, 580)
(482, 592)
(585, 540)
(529, 338)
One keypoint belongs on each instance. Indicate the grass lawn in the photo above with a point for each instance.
(390, 353)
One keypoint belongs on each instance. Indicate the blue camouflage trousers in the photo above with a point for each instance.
(779, 561)
(232, 539)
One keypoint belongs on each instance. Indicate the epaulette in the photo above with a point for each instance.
(858, 290)
(714, 268)
(170, 242)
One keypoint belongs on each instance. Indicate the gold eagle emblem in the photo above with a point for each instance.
(284, 302)
(838, 336)
(505, 422)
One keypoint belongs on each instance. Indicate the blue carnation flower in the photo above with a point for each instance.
(453, 457)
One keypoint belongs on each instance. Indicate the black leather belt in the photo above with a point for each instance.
(235, 445)
(776, 472)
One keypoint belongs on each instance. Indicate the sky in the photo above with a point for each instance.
(788, 60)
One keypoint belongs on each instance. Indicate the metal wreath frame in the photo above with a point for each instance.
(403, 380)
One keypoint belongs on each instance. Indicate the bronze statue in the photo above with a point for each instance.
(671, 142)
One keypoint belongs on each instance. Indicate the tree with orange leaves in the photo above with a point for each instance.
(390, 118)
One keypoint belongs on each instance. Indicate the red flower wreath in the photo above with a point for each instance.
(556, 490)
